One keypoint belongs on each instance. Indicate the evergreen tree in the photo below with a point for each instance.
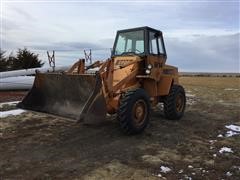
(3, 61)
(24, 60)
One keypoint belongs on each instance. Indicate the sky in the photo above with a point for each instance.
(200, 36)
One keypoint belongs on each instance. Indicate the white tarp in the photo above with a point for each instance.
(20, 79)
(16, 83)
(32, 71)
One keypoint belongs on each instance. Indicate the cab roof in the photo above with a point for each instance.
(146, 28)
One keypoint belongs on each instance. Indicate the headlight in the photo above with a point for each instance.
(149, 66)
(147, 71)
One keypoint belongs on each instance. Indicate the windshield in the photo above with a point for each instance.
(130, 43)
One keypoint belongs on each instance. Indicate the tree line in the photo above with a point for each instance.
(24, 59)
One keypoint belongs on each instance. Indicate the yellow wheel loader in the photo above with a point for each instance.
(128, 84)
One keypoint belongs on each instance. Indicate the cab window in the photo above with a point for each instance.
(160, 44)
(153, 48)
(130, 43)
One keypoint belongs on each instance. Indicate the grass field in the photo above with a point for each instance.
(199, 146)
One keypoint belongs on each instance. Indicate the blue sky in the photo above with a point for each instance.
(199, 36)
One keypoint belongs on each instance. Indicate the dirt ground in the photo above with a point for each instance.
(11, 95)
(39, 146)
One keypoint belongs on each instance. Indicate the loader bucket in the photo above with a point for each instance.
(74, 96)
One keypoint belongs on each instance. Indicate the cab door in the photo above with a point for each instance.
(157, 55)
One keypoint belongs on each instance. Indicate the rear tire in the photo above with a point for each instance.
(175, 103)
(133, 112)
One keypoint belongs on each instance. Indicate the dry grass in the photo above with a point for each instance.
(212, 89)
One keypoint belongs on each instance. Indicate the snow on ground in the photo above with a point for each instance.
(165, 169)
(159, 175)
(233, 131)
(233, 127)
(8, 103)
(14, 112)
(229, 174)
(225, 149)
(180, 171)
(212, 141)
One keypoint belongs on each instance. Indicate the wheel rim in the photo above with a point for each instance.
(139, 112)
(180, 103)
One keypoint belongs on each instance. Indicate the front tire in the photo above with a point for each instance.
(175, 103)
(133, 112)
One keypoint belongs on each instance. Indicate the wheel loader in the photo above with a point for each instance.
(135, 79)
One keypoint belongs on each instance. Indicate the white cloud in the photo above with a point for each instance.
(205, 53)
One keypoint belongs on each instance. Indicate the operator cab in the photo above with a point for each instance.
(141, 41)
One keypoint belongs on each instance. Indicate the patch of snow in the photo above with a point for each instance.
(193, 173)
(214, 155)
(212, 141)
(233, 127)
(8, 103)
(231, 89)
(189, 166)
(180, 171)
(229, 174)
(158, 175)
(14, 112)
(231, 133)
(165, 169)
(225, 149)
(233, 130)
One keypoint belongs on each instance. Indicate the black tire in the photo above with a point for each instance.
(175, 103)
(133, 111)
